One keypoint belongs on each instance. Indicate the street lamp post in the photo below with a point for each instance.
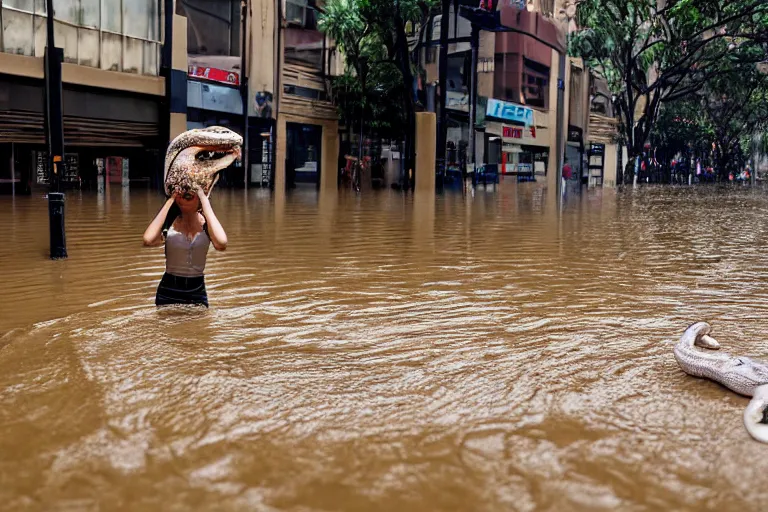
(244, 89)
(442, 133)
(473, 102)
(54, 131)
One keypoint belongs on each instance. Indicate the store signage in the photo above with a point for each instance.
(514, 132)
(515, 4)
(215, 74)
(457, 101)
(214, 97)
(509, 112)
(460, 102)
(574, 134)
(486, 65)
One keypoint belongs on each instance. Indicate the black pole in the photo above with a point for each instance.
(167, 53)
(473, 101)
(166, 69)
(363, 80)
(244, 87)
(442, 125)
(54, 131)
(560, 124)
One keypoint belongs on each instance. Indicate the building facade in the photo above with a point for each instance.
(126, 93)
(514, 128)
(113, 92)
(516, 125)
(281, 84)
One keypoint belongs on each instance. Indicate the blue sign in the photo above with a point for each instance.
(509, 112)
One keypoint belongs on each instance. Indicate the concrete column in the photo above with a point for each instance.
(263, 54)
(178, 78)
(610, 160)
(329, 155)
(426, 140)
(279, 164)
(552, 175)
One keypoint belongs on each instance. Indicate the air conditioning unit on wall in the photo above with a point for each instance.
(296, 12)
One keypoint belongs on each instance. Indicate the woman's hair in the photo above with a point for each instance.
(173, 212)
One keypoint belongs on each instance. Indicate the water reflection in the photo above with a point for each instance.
(379, 351)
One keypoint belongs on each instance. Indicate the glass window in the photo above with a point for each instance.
(18, 32)
(213, 28)
(118, 45)
(89, 13)
(67, 10)
(112, 16)
(136, 17)
(22, 5)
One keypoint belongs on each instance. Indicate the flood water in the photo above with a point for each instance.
(481, 352)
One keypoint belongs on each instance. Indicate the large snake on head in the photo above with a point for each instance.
(195, 157)
(742, 375)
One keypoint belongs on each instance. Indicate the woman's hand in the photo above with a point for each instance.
(215, 231)
(153, 236)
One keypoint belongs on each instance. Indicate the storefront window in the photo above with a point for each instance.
(304, 44)
(116, 35)
(535, 84)
(303, 160)
(213, 27)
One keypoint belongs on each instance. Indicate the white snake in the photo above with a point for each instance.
(743, 375)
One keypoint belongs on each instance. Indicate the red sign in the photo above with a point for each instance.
(513, 132)
(217, 75)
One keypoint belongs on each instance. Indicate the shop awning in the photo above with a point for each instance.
(29, 128)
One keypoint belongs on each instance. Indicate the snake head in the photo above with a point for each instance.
(756, 415)
(698, 334)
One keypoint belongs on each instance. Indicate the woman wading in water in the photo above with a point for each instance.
(187, 226)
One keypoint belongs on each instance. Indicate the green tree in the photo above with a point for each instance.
(653, 52)
(725, 118)
(372, 34)
(682, 127)
(736, 104)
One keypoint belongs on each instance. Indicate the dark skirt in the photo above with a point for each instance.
(181, 290)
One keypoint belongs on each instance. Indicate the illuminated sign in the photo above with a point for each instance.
(509, 112)
(217, 75)
(514, 132)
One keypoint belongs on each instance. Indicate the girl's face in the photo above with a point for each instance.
(188, 202)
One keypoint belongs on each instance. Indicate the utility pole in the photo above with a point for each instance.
(559, 157)
(54, 131)
(475, 43)
(442, 125)
(166, 69)
(244, 87)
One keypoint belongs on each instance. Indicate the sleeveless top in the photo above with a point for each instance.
(185, 258)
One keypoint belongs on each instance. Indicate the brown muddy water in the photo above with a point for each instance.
(383, 352)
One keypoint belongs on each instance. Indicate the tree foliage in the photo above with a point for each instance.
(654, 52)
(683, 127)
(736, 104)
(378, 83)
(725, 117)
